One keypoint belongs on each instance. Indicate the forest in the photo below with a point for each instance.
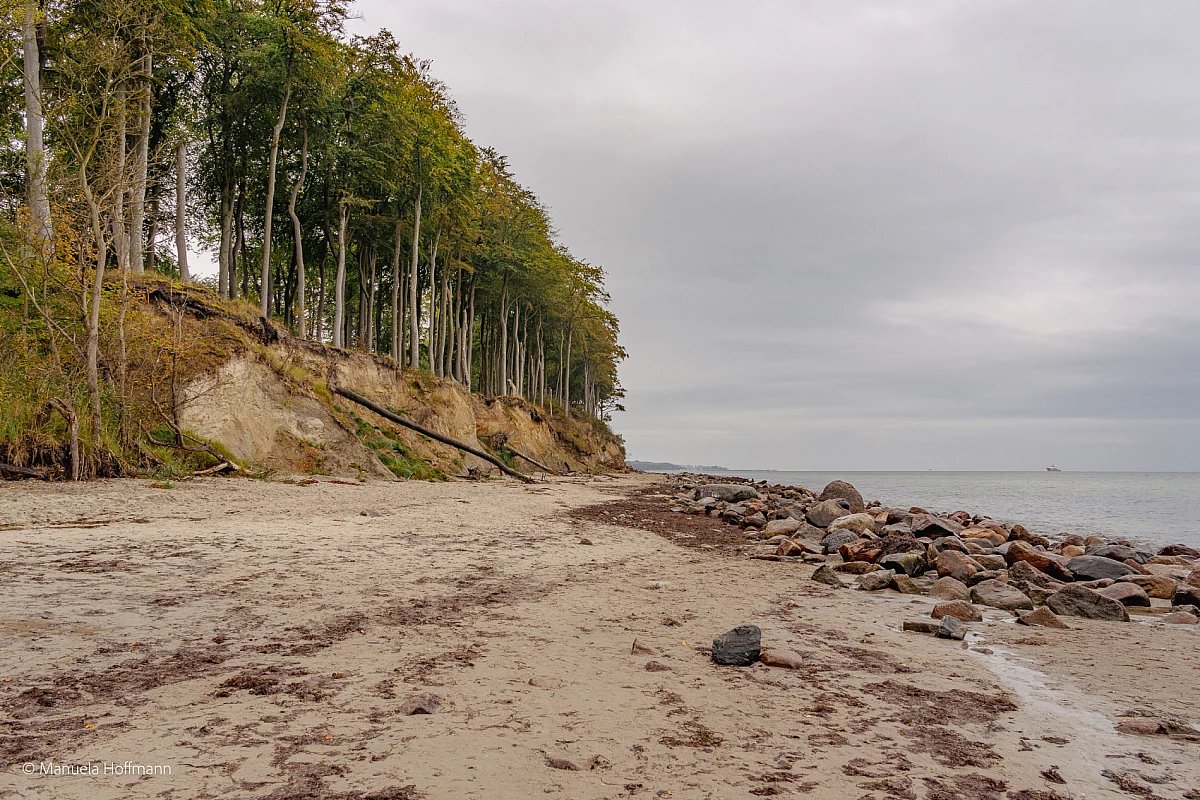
(331, 174)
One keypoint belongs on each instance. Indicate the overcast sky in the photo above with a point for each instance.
(853, 235)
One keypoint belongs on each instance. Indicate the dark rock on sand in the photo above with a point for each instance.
(964, 611)
(1000, 595)
(1186, 595)
(1181, 618)
(1080, 601)
(834, 540)
(844, 491)
(929, 525)
(952, 628)
(1093, 567)
(911, 564)
(825, 574)
(948, 588)
(856, 567)
(922, 625)
(825, 512)
(739, 647)
(1042, 618)
(1127, 594)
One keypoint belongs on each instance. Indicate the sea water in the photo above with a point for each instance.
(1154, 508)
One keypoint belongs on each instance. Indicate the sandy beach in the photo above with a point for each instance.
(269, 639)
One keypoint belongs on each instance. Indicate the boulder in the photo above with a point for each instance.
(1018, 533)
(1193, 610)
(1179, 550)
(887, 530)
(1093, 567)
(1023, 551)
(1073, 551)
(1181, 618)
(825, 574)
(827, 511)
(911, 564)
(739, 647)
(928, 525)
(789, 548)
(899, 543)
(729, 492)
(949, 543)
(755, 520)
(1193, 578)
(1042, 618)
(949, 588)
(836, 539)
(781, 526)
(1174, 561)
(952, 628)
(1154, 585)
(860, 550)
(859, 523)
(922, 625)
(1127, 594)
(905, 585)
(874, 581)
(956, 565)
(1080, 601)
(1024, 571)
(1039, 594)
(957, 608)
(841, 490)
(1118, 552)
(1000, 595)
(987, 575)
(1186, 595)
(991, 561)
(856, 567)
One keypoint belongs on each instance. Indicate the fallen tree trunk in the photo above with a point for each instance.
(537, 464)
(399, 420)
(21, 472)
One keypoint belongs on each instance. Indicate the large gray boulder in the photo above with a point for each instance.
(1094, 568)
(1118, 552)
(729, 492)
(844, 491)
(1080, 601)
(825, 512)
(836, 539)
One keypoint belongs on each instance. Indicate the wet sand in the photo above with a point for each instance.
(266, 639)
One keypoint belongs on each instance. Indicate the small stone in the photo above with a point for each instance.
(922, 625)
(1073, 551)
(563, 763)
(739, 647)
(586, 541)
(952, 628)
(420, 704)
(1181, 618)
(787, 659)
(1042, 618)
(658, 585)
(964, 611)
(656, 666)
(368, 512)
(825, 574)
(640, 649)
(949, 588)
(789, 548)
(833, 541)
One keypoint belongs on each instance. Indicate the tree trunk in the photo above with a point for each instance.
(301, 324)
(396, 316)
(37, 194)
(269, 210)
(93, 317)
(433, 254)
(185, 274)
(120, 241)
(339, 285)
(141, 163)
(567, 381)
(414, 347)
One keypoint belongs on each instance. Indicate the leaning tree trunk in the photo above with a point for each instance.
(264, 288)
(339, 284)
(141, 163)
(37, 194)
(185, 274)
(414, 347)
(301, 324)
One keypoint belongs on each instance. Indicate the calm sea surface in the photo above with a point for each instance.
(1151, 507)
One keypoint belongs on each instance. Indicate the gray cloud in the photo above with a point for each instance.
(865, 235)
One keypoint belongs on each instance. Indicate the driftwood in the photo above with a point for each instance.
(21, 472)
(399, 420)
(222, 465)
(537, 464)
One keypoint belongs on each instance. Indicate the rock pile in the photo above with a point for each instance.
(956, 557)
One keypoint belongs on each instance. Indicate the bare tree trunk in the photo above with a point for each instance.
(414, 347)
(93, 317)
(225, 267)
(433, 254)
(567, 381)
(37, 194)
(120, 241)
(141, 164)
(504, 336)
(397, 320)
(264, 289)
(185, 274)
(339, 285)
(301, 323)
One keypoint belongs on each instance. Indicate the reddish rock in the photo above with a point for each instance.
(929, 525)
(640, 649)
(956, 565)
(1127, 594)
(957, 608)
(999, 595)
(860, 550)
(856, 567)
(1179, 550)
(1042, 618)
(948, 588)
(1181, 618)
(787, 659)
(1018, 533)
(921, 625)
(1073, 551)
(1154, 585)
(1023, 551)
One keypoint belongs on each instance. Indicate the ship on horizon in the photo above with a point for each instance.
(1053, 468)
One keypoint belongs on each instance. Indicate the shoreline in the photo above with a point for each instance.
(331, 622)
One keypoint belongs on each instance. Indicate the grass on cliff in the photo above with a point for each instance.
(394, 454)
